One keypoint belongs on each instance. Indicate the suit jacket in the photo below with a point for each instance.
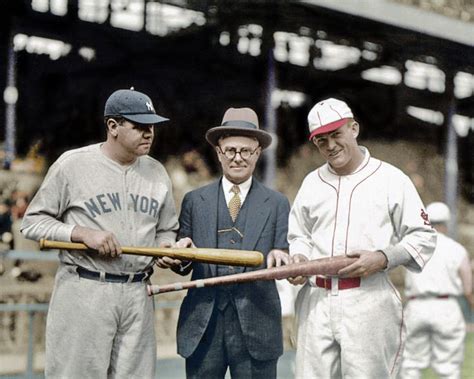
(257, 303)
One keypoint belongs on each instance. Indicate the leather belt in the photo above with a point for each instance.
(113, 278)
(343, 283)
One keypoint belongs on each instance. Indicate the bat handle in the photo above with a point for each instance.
(153, 289)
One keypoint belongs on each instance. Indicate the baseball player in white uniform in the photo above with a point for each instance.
(435, 325)
(351, 325)
(101, 321)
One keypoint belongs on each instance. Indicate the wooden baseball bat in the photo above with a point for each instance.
(322, 266)
(215, 256)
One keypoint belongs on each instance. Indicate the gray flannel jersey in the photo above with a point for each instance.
(84, 187)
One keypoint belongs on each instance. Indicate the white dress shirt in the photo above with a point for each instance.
(244, 189)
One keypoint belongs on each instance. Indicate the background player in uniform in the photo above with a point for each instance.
(435, 325)
(101, 321)
(351, 325)
(236, 326)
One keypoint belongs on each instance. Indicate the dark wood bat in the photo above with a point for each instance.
(322, 266)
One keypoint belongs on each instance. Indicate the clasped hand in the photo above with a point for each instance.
(172, 263)
(368, 263)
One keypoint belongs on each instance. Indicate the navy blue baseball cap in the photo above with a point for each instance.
(133, 106)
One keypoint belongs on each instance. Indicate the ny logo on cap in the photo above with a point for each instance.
(149, 106)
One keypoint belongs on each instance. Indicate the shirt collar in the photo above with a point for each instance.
(244, 187)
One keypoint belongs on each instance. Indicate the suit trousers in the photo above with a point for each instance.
(223, 346)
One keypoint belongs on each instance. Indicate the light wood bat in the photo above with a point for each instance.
(214, 256)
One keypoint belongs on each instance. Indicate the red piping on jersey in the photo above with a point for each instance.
(350, 202)
(335, 217)
(394, 290)
(417, 252)
(337, 207)
(364, 166)
(329, 184)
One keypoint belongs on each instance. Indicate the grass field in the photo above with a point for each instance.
(468, 366)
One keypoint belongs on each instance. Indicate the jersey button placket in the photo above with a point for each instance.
(343, 216)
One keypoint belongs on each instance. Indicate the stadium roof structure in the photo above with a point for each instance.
(407, 73)
(404, 16)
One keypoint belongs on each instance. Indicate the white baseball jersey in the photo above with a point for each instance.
(435, 324)
(441, 274)
(84, 187)
(356, 332)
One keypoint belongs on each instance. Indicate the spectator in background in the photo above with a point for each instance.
(435, 324)
(5, 218)
(20, 202)
(6, 237)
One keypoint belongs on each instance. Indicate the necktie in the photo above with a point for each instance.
(234, 203)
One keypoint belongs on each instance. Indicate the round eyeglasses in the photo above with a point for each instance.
(231, 152)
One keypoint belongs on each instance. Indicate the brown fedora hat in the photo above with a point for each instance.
(239, 122)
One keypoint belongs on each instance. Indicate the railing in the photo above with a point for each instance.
(32, 309)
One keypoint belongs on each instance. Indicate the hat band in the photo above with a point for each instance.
(240, 124)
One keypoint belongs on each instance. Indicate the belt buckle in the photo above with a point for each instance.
(326, 284)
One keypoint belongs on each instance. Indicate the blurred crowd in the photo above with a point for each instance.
(12, 209)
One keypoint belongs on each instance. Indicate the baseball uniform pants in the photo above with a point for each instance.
(98, 329)
(435, 337)
(349, 333)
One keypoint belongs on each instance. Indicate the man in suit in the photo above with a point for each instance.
(235, 326)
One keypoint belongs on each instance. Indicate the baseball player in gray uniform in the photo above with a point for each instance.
(435, 325)
(101, 321)
(351, 325)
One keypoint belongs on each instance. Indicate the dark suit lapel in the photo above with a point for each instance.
(208, 222)
(258, 211)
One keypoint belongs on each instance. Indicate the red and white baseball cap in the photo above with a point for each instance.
(328, 115)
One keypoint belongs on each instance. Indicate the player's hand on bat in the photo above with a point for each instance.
(103, 241)
(297, 280)
(369, 262)
(167, 262)
(185, 242)
(277, 257)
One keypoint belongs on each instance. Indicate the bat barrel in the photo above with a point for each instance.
(323, 266)
(203, 255)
